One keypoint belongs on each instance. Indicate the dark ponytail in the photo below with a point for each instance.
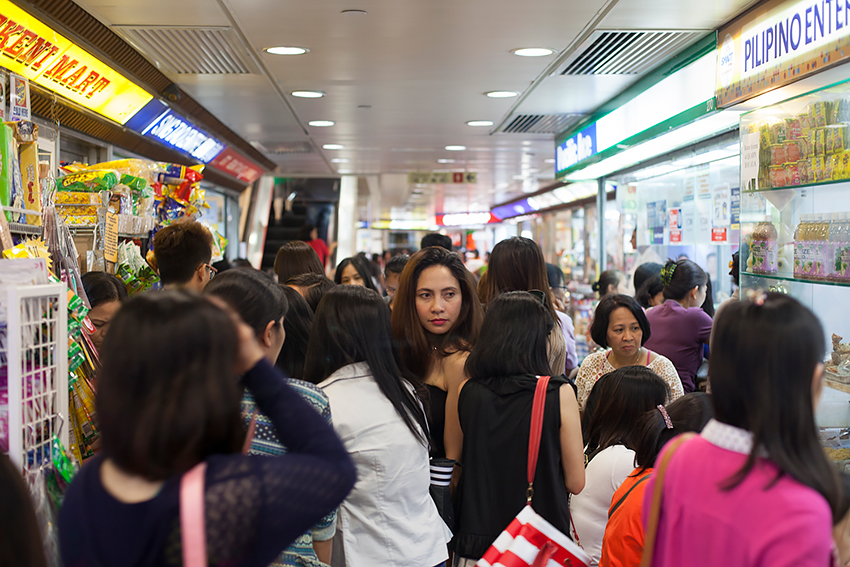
(689, 413)
(648, 290)
(606, 278)
(681, 277)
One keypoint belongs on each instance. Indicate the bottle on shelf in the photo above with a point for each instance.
(765, 248)
(839, 248)
(820, 238)
(800, 246)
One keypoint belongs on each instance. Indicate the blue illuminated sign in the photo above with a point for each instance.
(159, 122)
(514, 209)
(576, 149)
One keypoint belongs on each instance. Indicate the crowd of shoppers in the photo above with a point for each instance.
(333, 426)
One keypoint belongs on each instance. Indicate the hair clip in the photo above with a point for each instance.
(666, 417)
(757, 296)
(667, 273)
(731, 264)
(539, 296)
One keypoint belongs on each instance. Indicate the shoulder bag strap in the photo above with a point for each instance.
(535, 432)
(626, 495)
(249, 436)
(192, 528)
(657, 492)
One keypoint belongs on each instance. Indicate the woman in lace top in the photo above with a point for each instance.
(168, 398)
(621, 325)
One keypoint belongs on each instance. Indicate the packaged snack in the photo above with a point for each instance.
(140, 168)
(7, 142)
(31, 182)
(17, 183)
(819, 147)
(805, 128)
(777, 176)
(93, 181)
(820, 112)
(764, 249)
(795, 128)
(778, 154)
(792, 151)
(25, 132)
(792, 174)
(816, 169)
(779, 132)
(837, 169)
(764, 136)
(828, 168)
(839, 133)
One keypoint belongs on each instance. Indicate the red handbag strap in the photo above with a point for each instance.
(192, 528)
(536, 431)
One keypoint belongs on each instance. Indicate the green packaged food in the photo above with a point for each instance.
(91, 181)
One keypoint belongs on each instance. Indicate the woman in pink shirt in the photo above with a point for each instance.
(754, 488)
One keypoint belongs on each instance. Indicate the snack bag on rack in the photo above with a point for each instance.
(31, 181)
(91, 181)
(7, 161)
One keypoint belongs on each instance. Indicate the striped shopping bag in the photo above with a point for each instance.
(529, 540)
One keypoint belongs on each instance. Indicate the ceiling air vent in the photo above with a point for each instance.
(190, 50)
(626, 52)
(283, 148)
(539, 123)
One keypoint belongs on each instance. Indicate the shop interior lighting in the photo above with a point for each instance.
(445, 160)
(333, 146)
(339, 160)
(344, 171)
(533, 51)
(291, 50)
(321, 123)
(307, 94)
(681, 137)
(455, 148)
(480, 123)
(501, 94)
(549, 160)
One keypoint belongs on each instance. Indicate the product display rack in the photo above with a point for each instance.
(37, 368)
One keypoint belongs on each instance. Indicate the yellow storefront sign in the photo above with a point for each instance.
(32, 49)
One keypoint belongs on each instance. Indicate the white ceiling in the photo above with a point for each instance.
(422, 67)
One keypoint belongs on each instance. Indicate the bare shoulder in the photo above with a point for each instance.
(454, 367)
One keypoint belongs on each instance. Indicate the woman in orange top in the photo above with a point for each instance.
(622, 544)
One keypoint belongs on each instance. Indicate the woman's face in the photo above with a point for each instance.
(100, 317)
(350, 276)
(624, 333)
(656, 299)
(438, 300)
(701, 293)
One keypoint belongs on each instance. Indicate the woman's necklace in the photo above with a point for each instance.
(617, 363)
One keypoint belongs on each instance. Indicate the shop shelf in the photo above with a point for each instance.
(21, 228)
(798, 187)
(793, 279)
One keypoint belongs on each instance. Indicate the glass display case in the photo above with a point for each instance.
(795, 226)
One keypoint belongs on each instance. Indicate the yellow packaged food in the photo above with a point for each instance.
(31, 183)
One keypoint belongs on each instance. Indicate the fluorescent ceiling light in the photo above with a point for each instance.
(502, 94)
(321, 123)
(549, 160)
(533, 51)
(661, 145)
(455, 148)
(287, 50)
(333, 146)
(307, 94)
(343, 171)
(339, 160)
(480, 123)
(445, 161)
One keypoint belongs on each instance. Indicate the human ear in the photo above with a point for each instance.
(266, 338)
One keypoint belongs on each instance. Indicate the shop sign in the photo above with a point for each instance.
(176, 132)
(778, 43)
(466, 219)
(675, 236)
(515, 209)
(718, 235)
(735, 207)
(578, 148)
(442, 177)
(237, 166)
(33, 50)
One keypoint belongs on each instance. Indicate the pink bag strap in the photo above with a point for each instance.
(535, 431)
(249, 436)
(192, 528)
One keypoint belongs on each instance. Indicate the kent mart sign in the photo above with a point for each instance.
(442, 178)
(32, 49)
(779, 43)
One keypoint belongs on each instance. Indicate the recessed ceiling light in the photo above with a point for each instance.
(533, 51)
(308, 94)
(480, 123)
(549, 160)
(455, 148)
(321, 123)
(287, 50)
(343, 171)
(526, 143)
(339, 160)
(501, 94)
(445, 160)
(338, 147)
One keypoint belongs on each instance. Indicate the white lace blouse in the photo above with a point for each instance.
(596, 365)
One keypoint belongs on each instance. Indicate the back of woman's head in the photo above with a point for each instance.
(167, 395)
(20, 536)
(296, 257)
(254, 296)
(612, 278)
(644, 272)
(513, 340)
(101, 287)
(362, 267)
(628, 393)
(297, 324)
(554, 275)
(688, 413)
(352, 324)
(708, 303)
(680, 277)
(305, 233)
(764, 356)
(312, 286)
(650, 288)
(415, 344)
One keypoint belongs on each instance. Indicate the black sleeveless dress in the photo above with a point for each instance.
(495, 415)
(437, 420)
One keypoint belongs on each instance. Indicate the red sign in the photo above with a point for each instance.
(675, 235)
(718, 235)
(457, 177)
(466, 219)
(237, 166)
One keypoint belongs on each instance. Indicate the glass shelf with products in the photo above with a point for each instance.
(779, 278)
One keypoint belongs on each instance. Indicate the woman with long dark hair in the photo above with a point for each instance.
(106, 293)
(517, 264)
(389, 518)
(296, 258)
(168, 399)
(297, 325)
(680, 328)
(623, 396)
(495, 409)
(436, 320)
(354, 271)
(756, 478)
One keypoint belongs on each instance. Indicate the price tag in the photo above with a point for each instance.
(110, 251)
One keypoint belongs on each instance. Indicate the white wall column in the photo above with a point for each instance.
(347, 229)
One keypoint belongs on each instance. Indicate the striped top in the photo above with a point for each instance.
(266, 443)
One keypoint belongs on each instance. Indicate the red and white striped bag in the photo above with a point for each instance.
(529, 540)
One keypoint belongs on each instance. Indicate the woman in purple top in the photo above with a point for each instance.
(755, 486)
(679, 327)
